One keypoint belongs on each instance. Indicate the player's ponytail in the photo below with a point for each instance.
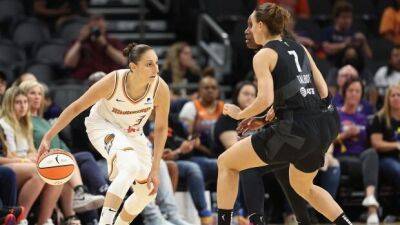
(275, 17)
(134, 51)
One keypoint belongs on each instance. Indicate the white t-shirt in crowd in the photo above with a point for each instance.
(383, 81)
(18, 145)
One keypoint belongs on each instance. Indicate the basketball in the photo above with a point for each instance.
(56, 166)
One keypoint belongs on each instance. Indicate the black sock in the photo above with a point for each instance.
(342, 220)
(224, 216)
(256, 219)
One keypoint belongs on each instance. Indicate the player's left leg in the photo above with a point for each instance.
(135, 203)
(238, 157)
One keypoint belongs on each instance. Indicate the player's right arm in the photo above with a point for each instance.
(318, 78)
(102, 89)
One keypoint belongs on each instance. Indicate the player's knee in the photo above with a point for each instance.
(300, 186)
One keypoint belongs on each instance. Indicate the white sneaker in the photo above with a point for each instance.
(84, 202)
(373, 219)
(49, 222)
(23, 222)
(370, 201)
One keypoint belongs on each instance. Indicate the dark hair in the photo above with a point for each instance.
(341, 7)
(273, 16)
(3, 76)
(358, 62)
(390, 67)
(349, 82)
(238, 88)
(134, 51)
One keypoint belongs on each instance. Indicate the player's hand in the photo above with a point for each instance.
(44, 147)
(250, 124)
(187, 146)
(232, 111)
(153, 181)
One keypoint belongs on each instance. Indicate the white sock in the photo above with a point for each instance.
(107, 216)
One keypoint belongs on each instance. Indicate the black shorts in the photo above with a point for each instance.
(301, 139)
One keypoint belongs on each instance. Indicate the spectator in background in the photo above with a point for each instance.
(178, 148)
(17, 127)
(351, 147)
(54, 12)
(337, 37)
(344, 74)
(23, 77)
(385, 136)
(180, 67)
(389, 74)
(9, 214)
(390, 23)
(297, 8)
(3, 84)
(94, 51)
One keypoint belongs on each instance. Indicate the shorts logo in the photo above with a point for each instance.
(108, 141)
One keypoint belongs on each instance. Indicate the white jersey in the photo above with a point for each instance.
(129, 115)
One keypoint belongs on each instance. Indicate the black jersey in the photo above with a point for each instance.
(294, 87)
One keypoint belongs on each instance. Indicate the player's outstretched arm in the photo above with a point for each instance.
(162, 102)
(101, 89)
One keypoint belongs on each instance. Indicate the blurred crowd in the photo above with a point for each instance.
(363, 159)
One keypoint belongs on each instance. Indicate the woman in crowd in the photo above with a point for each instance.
(355, 159)
(21, 156)
(385, 136)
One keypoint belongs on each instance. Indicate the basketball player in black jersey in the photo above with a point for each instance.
(254, 194)
(306, 122)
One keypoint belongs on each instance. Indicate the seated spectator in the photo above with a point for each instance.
(50, 108)
(389, 74)
(180, 67)
(22, 156)
(82, 200)
(385, 136)
(355, 159)
(389, 27)
(341, 34)
(94, 51)
(10, 214)
(199, 116)
(190, 174)
(344, 74)
(23, 77)
(297, 8)
(54, 12)
(3, 83)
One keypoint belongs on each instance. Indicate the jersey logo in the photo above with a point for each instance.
(119, 100)
(148, 101)
(108, 141)
(121, 112)
(306, 91)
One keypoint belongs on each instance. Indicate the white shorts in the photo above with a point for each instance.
(119, 148)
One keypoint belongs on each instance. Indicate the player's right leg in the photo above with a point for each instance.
(320, 199)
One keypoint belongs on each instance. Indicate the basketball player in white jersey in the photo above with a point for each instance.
(123, 101)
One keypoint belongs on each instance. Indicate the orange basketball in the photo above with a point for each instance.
(56, 166)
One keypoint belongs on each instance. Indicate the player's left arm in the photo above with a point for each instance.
(161, 102)
(263, 63)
